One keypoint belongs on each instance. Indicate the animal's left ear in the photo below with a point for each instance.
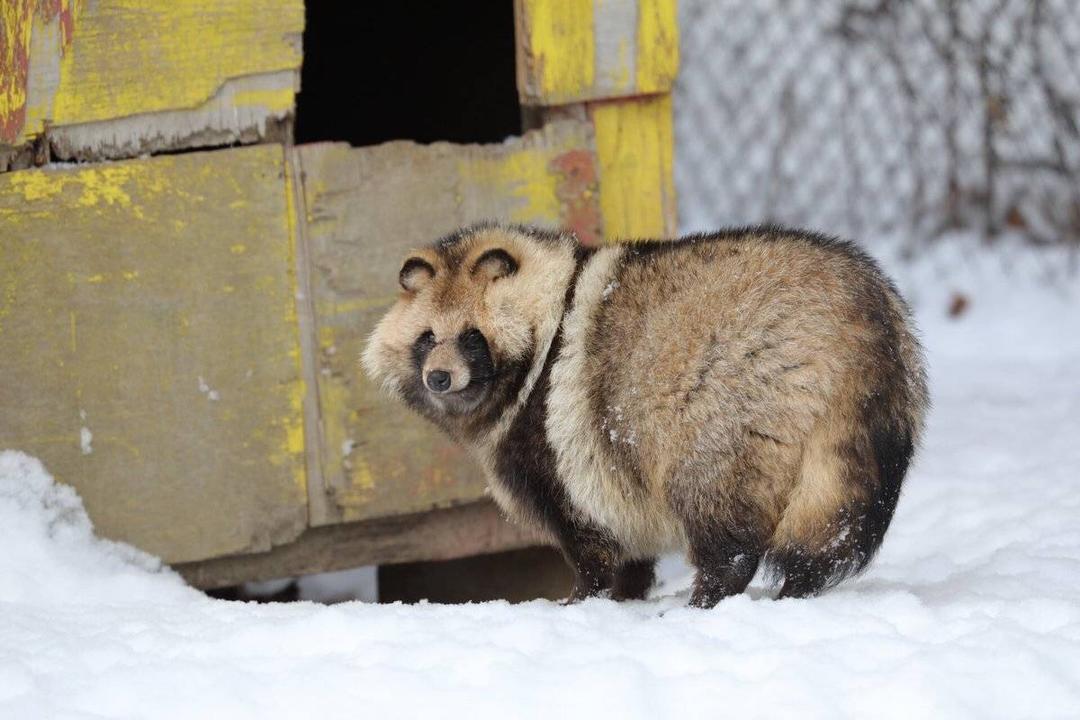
(495, 264)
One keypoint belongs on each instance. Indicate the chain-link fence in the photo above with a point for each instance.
(881, 117)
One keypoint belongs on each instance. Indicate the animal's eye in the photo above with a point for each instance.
(415, 274)
(495, 264)
(426, 339)
(472, 339)
(422, 346)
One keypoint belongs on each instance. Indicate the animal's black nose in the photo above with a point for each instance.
(438, 381)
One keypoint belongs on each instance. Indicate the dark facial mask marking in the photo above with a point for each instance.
(421, 348)
(474, 348)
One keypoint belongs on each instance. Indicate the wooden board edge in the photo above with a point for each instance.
(318, 501)
(635, 151)
(472, 529)
(577, 51)
(253, 109)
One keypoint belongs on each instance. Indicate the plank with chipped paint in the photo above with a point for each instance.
(150, 347)
(364, 209)
(18, 19)
(16, 22)
(634, 146)
(471, 529)
(126, 77)
(583, 50)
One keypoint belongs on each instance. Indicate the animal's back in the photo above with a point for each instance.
(752, 389)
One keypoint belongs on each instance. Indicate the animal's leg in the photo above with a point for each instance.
(633, 579)
(804, 575)
(593, 555)
(726, 531)
(724, 568)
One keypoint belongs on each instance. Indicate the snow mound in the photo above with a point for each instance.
(51, 556)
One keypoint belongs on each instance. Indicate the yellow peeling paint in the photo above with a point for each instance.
(132, 57)
(16, 22)
(584, 50)
(524, 175)
(128, 309)
(238, 249)
(105, 185)
(119, 43)
(108, 184)
(39, 184)
(294, 425)
(634, 149)
(657, 45)
(294, 431)
(564, 44)
(561, 47)
(277, 100)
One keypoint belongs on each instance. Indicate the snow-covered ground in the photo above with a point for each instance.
(972, 608)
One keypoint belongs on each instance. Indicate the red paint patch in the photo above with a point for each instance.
(66, 9)
(14, 68)
(578, 191)
(15, 55)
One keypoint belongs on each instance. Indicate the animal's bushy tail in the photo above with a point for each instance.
(854, 466)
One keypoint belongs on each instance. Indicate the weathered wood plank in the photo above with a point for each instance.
(472, 529)
(18, 19)
(634, 146)
(149, 348)
(364, 209)
(125, 77)
(657, 46)
(582, 50)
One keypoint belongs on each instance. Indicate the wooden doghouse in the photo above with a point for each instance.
(180, 327)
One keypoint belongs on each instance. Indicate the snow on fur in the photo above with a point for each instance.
(972, 609)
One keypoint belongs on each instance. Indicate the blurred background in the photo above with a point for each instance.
(881, 119)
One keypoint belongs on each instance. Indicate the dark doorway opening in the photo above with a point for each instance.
(408, 70)
(514, 575)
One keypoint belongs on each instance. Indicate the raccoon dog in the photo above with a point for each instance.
(752, 396)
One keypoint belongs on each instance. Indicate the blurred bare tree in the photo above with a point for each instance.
(878, 117)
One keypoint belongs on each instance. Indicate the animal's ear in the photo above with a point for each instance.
(415, 274)
(495, 264)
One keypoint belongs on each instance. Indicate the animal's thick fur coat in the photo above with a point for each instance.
(753, 395)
